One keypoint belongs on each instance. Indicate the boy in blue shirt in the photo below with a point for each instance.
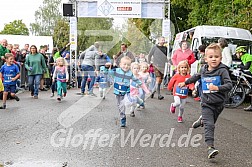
(122, 77)
(10, 73)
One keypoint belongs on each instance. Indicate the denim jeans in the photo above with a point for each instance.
(153, 81)
(142, 95)
(34, 82)
(88, 71)
(54, 86)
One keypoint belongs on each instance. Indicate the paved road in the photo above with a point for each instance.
(46, 133)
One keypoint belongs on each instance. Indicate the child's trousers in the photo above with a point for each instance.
(178, 102)
(102, 91)
(61, 86)
(210, 115)
(120, 105)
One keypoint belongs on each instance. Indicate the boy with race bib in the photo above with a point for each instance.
(180, 94)
(215, 84)
(122, 77)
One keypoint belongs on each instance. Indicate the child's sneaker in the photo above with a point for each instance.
(91, 94)
(152, 94)
(3, 106)
(64, 94)
(212, 152)
(16, 98)
(160, 97)
(180, 119)
(52, 95)
(172, 109)
(197, 98)
(132, 114)
(123, 122)
(198, 123)
(142, 107)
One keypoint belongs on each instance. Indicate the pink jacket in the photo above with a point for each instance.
(134, 91)
(179, 55)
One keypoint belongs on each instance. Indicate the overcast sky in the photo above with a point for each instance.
(24, 10)
(19, 10)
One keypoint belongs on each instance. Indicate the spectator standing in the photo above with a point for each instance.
(35, 64)
(183, 53)
(123, 52)
(23, 71)
(46, 73)
(3, 51)
(159, 54)
(226, 52)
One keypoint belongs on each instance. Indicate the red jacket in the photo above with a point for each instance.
(175, 80)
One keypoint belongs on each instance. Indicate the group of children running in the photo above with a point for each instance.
(131, 84)
(215, 83)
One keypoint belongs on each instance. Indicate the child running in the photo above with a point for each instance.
(216, 83)
(180, 94)
(135, 87)
(61, 74)
(10, 73)
(102, 79)
(122, 77)
(145, 76)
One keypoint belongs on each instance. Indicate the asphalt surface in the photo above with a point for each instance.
(43, 132)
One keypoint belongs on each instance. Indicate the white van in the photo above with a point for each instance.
(209, 34)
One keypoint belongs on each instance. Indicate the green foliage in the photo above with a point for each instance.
(61, 33)
(138, 35)
(235, 13)
(186, 14)
(85, 24)
(17, 27)
(46, 18)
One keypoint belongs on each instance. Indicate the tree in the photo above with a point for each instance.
(138, 35)
(46, 18)
(61, 33)
(85, 24)
(17, 27)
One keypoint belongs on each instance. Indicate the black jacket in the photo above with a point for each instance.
(213, 98)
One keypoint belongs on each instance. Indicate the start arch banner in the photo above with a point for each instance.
(121, 8)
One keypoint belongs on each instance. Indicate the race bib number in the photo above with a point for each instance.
(206, 81)
(7, 78)
(62, 75)
(181, 91)
(120, 87)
